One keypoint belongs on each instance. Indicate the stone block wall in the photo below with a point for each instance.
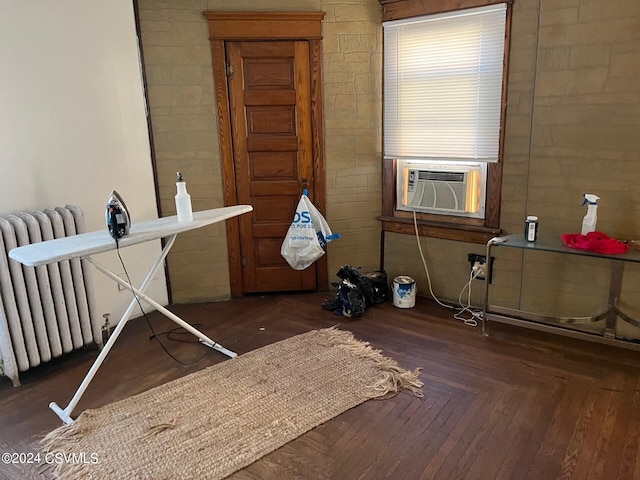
(352, 74)
(573, 127)
(584, 139)
(179, 73)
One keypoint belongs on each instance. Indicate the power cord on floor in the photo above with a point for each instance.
(475, 314)
(154, 335)
(174, 334)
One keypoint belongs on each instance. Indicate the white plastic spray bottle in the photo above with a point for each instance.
(590, 219)
(183, 201)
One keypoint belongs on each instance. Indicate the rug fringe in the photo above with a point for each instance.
(62, 441)
(67, 433)
(393, 378)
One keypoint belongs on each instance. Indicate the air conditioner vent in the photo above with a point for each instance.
(441, 176)
(452, 189)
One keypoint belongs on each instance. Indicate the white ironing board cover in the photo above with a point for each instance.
(99, 241)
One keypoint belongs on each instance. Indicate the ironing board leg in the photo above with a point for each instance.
(65, 414)
(201, 336)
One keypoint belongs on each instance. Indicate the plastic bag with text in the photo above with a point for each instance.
(307, 235)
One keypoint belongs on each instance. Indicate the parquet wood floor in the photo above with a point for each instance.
(518, 404)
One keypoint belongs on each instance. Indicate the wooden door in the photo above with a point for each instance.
(270, 106)
(253, 246)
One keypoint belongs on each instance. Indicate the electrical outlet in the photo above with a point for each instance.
(479, 267)
(479, 270)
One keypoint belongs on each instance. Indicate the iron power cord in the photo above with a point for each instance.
(154, 335)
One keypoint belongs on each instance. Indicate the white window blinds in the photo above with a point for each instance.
(443, 85)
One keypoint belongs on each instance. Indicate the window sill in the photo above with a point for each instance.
(446, 231)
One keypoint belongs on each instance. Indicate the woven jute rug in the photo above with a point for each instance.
(214, 422)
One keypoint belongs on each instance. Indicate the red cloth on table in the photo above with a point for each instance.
(597, 242)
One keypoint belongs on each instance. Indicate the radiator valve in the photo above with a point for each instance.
(107, 329)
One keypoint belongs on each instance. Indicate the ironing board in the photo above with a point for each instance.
(87, 244)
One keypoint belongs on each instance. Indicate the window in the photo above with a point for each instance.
(443, 111)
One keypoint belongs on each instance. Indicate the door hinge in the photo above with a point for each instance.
(230, 70)
(243, 261)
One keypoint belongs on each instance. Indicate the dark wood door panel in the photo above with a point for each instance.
(267, 50)
(276, 166)
(271, 120)
(272, 230)
(261, 74)
(268, 60)
(268, 65)
(269, 253)
(270, 98)
(275, 279)
(259, 189)
(272, 144)
(275, 97)
(268, 209)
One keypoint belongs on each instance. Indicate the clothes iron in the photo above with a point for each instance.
(117, 216)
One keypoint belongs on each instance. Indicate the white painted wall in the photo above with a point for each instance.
(72, 123)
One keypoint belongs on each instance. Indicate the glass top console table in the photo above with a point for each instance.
(568, 326)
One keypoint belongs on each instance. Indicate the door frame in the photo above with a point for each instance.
(246, 26)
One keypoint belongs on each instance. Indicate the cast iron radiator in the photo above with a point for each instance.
(49, 310)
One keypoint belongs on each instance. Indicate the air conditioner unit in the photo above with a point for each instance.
(440, 188)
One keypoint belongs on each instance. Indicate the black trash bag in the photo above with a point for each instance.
(357, 291)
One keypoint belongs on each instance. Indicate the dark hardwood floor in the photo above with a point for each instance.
(519, 404)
